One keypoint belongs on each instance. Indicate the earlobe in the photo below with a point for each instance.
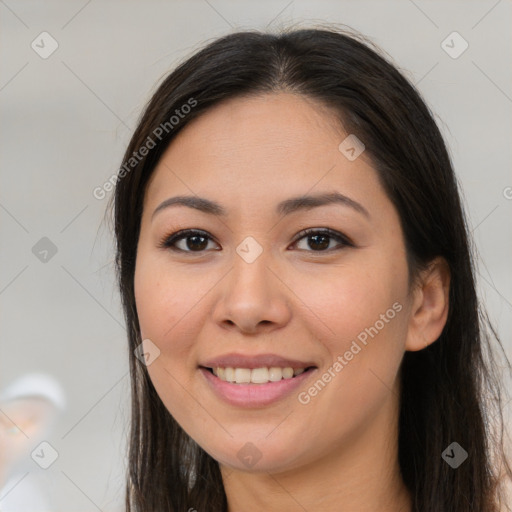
(430, 306)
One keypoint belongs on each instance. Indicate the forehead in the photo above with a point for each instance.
(263, 123)
(259, 145)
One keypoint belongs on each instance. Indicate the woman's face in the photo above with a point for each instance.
(251, 286)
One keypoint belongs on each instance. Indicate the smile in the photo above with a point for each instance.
(256, 375)
(266, 390)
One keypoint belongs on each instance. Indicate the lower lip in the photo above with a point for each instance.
(254, 395)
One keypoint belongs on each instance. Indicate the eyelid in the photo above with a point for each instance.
(336, 235)
(168, 241)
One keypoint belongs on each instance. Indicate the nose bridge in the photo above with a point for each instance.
(251, 275)
(251, 294)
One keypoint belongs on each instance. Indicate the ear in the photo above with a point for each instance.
(429, 306)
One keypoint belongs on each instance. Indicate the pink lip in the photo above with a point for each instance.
(254, 395)
(257, 361)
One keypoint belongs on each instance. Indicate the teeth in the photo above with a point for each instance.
(259, 375)
(242, 375)
(256, 375)
(275, 374)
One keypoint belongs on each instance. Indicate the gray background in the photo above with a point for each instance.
(67, 119)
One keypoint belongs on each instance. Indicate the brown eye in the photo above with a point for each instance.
(194, 241)
(319, 240)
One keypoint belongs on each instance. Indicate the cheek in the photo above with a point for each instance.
(354, 299)
(361, 315)
(361, 319)
(163, 297)
(164, 310)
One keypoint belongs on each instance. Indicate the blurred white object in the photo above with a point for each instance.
(37, 385)
(29, 407)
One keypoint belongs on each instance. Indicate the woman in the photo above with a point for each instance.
(297, 280)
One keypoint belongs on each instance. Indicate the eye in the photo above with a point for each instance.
(319, 239)
(197, 241)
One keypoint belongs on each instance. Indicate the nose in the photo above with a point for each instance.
(252, 297)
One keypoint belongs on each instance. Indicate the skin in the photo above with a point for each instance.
(339, 451)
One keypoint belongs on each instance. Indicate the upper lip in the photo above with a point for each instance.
(234, 360)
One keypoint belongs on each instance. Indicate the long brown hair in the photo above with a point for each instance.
(450, 391)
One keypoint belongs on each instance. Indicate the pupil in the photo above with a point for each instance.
(324, 245)
(193, 245)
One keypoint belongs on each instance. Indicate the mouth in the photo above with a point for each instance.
(262, 375)
(256, 388)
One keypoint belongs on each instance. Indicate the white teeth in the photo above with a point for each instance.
(242, 375)
(259, 375)
(275, 374)
(256, 375)
(287, 373)
(229, 374)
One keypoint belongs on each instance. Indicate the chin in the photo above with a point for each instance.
(257, 457)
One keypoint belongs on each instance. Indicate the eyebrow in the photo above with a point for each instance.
(286, 207)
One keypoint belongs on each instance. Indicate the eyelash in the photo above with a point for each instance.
(168, 241)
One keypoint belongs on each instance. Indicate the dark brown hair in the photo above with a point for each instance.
(449, 390)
